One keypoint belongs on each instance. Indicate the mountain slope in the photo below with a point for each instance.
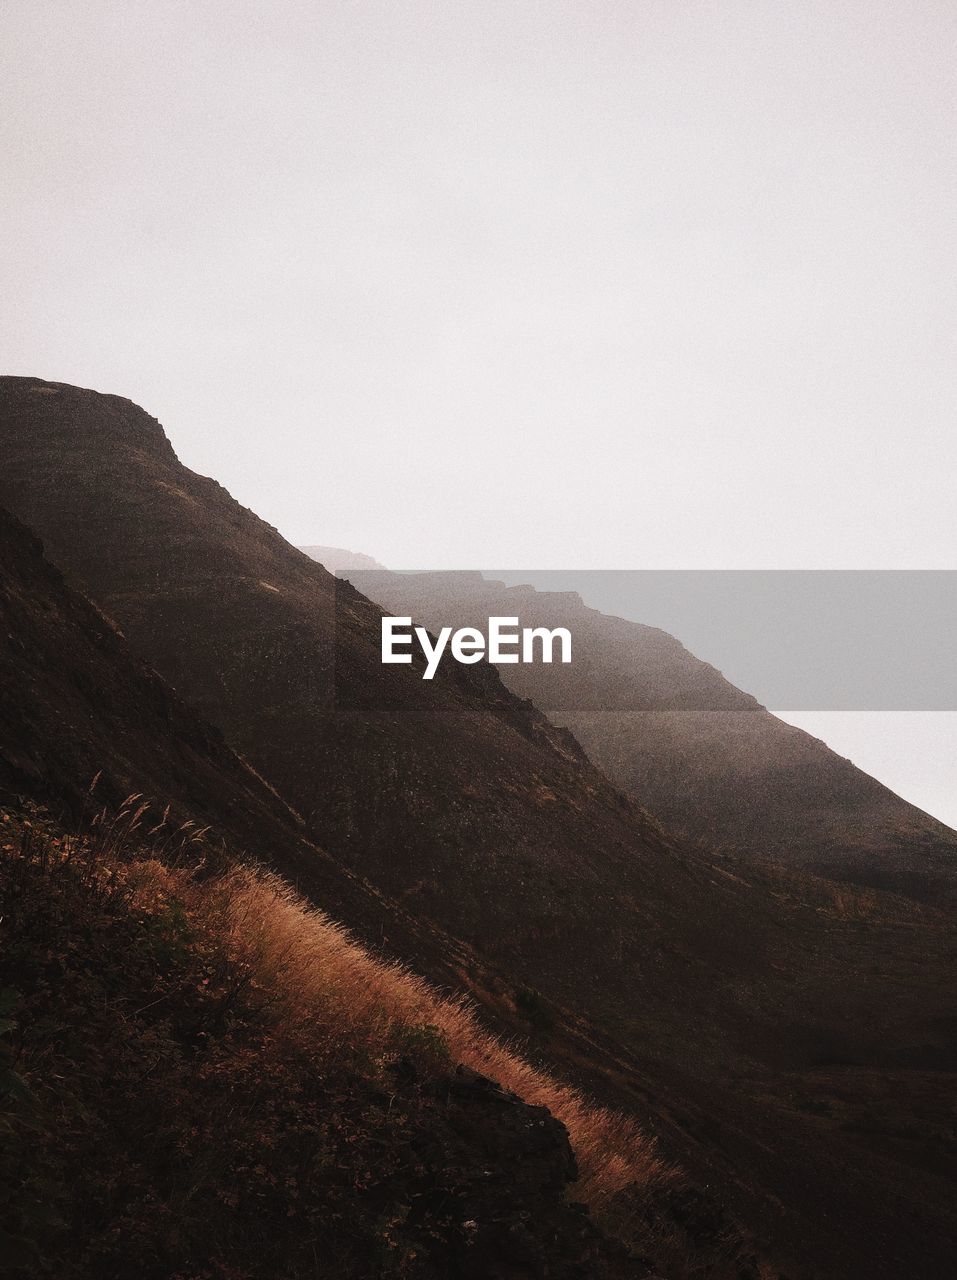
(77, 708)
(708, 1000)
(419, 785)
(180, 1036)
(704, 757)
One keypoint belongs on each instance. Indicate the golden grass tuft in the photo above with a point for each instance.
(315, 981)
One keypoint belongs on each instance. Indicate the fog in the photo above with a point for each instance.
(608, 285)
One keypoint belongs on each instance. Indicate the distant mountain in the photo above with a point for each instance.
(337, 558)
(704, 757)
(790, 1042)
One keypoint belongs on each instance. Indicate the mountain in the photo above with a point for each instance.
(790, 1042)
(84, 724)
(703, 756)
(338, 558)
(199, 1075)
(420, 786)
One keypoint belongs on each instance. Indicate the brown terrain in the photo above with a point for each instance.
(789, 1040)
(126, 951)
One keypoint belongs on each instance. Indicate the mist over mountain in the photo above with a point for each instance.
(338, 558)
(790, 1041)
(703, 756)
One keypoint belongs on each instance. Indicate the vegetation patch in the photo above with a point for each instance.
(202, 1077)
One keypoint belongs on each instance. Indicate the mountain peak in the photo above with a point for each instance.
(337, 559)
(64, 409)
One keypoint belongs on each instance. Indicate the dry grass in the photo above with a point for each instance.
(312, 979)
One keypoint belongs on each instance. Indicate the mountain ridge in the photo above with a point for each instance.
(708, 999)
(702, 755)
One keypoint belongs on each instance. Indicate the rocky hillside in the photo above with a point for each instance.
(454, 797)
(84, 724)
(167, 1007)
(790, 1043)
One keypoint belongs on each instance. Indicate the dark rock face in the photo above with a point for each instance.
(74, 702)
(503, 1227)
(712, 1002)
(77, 706)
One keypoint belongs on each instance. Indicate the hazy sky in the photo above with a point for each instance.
(561, 284)
(602, 284)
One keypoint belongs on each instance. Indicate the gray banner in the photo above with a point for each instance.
(796, 640)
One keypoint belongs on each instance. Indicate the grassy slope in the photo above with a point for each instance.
(202, 1077)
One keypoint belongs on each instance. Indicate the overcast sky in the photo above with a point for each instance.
(602, 285)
